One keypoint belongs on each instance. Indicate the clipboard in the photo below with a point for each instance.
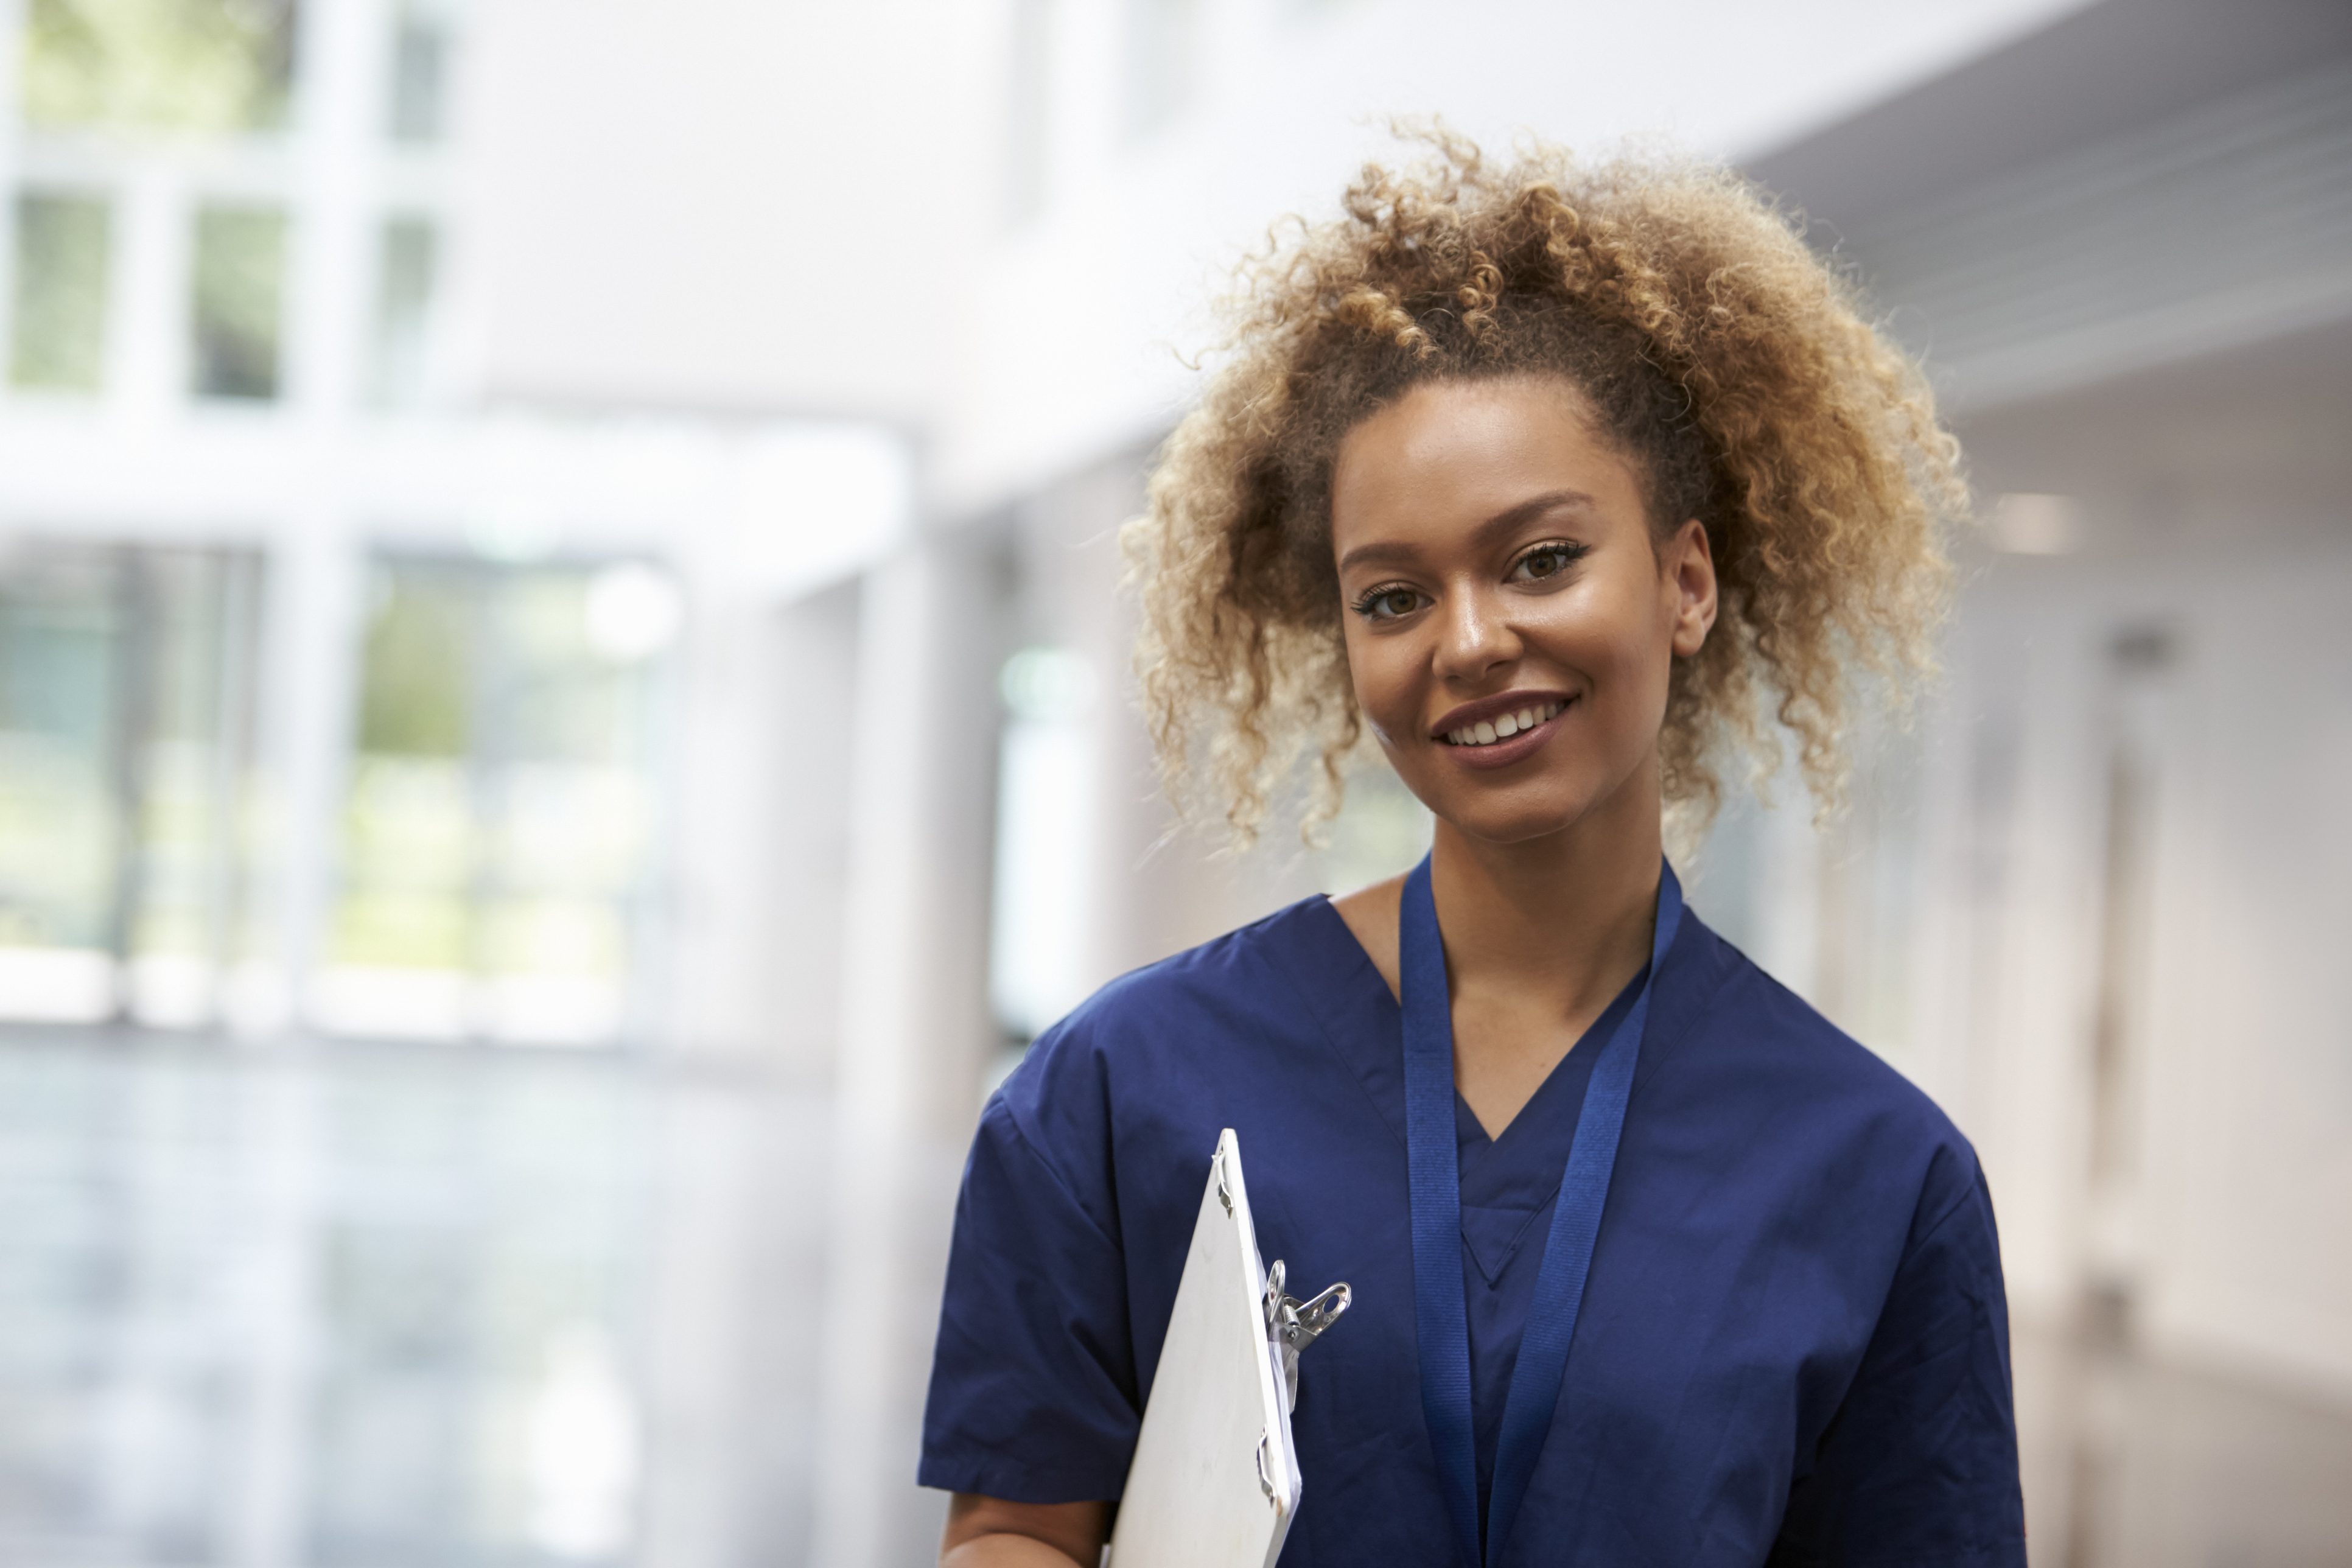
(1215, 1481)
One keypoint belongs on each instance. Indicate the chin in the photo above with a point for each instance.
(1520, 821)
(1538, 803)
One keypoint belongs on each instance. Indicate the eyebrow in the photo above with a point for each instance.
(1508, 521)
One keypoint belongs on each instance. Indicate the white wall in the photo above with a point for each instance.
(2248, 1103)
(718, 204)
(2232, 1178)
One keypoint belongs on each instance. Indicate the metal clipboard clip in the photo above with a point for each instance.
(1216, 1460)
(1291, 1324)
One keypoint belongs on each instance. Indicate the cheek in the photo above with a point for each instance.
(1381, 671)
(1605, 631)
(1615, 639)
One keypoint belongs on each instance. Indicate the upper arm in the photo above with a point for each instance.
(1919, 1465)
(1034, 1395)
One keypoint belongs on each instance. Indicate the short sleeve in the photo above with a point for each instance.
(1032, 1395)
(1919, 1467)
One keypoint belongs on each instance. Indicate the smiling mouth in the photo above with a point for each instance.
(1486, 733)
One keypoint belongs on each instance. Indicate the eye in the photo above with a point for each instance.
(1388, 603)
(1546, 560)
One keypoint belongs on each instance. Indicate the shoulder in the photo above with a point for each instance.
(1262, 966)
(1371, 915)
(1730, 1002)
(1191, 1013)
(1742, 1033)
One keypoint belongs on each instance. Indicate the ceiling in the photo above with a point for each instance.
(2253, 442)
(2105, 72)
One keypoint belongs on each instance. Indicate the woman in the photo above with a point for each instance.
(1550, 477)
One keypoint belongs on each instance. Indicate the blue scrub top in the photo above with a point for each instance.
(1794, 1343)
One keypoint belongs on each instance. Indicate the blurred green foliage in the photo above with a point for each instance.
(415, 697)
(205, 66)
(239, 276)
(62, 244)
(499, 812)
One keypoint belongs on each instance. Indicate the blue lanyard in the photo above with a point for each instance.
(1435, 1175)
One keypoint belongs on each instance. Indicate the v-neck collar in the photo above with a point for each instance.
(1562, 1088)
(1343, 990)
(1523, 1166)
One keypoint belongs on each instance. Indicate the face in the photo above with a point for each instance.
(1512, 618)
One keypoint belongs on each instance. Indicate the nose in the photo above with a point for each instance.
(1474, 636)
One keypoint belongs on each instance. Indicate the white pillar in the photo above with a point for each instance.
(763, 792)
(914, 1032)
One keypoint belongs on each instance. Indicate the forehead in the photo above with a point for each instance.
(1451, 454)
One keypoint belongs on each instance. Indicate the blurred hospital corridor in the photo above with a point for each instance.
(566, 712)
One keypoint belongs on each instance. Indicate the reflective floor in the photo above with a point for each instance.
(352, 1306)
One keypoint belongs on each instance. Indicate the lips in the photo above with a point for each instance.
(1487, 731)
(1483, 742)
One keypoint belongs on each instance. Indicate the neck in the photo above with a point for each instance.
(1562, 921)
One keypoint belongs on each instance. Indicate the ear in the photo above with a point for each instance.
(1689, 562)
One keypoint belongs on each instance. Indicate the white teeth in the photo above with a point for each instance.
(1510, 724)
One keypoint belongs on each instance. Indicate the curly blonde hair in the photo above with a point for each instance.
(1730, 365)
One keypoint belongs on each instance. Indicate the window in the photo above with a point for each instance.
(403, 317)
(420, 73)
(498, 831)
(58, 338)
(240, 269)
(126, 704)
(1045, 830)
(217, 65)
